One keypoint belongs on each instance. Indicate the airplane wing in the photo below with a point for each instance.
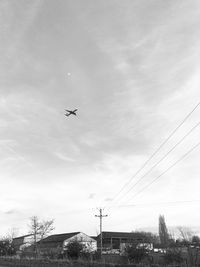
(75, 110)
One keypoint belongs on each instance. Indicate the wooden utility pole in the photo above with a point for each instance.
(100, 217)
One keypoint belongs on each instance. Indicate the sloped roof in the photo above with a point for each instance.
(94, 237)
(58, 237)
(128, 235)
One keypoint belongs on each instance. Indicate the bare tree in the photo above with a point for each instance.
(185, 233)
(39, 230)
(46, 227)
(35, 231)
(12, 233)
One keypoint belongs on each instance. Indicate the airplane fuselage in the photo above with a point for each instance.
(71, 112)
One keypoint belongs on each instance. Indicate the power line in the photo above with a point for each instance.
(156, 151)
(156, 164)
(169, 168)
(171, 203)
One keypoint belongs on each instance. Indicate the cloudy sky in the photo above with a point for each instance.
(131, 68)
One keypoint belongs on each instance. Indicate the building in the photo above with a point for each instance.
(22, 242)
(58, 243)
(116, 242)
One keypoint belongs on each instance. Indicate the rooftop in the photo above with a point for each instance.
(128, 235)
(59, 237)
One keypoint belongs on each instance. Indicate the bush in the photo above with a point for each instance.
(6, 248)
(74, 249)
(173, 257)
(136, 254)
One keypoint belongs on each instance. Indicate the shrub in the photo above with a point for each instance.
(74, 249)
(6, 248)
(173, 256)
(136, 254)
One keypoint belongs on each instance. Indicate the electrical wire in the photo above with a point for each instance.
(155, 152)
(169, 168)
(156, 164)
(171, 203)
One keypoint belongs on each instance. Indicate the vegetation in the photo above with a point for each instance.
(163, 232)
(135, 254)
(74, 249)
(173, 256)
(39, 230)
(183, 249)
(6, 248)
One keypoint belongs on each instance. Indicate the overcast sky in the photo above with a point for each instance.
(131, 68)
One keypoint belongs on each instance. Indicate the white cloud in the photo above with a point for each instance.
(64, 157)
(134, 76)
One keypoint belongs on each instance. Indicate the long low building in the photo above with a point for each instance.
(58, 242)
(112, 241)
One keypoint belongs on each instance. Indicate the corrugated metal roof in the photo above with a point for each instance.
(22, 236)
(128, 235)
(58, 237)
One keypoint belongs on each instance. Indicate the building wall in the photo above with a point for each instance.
(27, 242)
(120, 243)
(88, 242)
(22, 242)
(50, 247)
(17, 242)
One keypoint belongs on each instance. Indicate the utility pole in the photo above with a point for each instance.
(100, 217)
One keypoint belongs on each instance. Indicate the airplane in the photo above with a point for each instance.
(70, 112)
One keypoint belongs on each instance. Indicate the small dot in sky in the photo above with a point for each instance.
(69, 74)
